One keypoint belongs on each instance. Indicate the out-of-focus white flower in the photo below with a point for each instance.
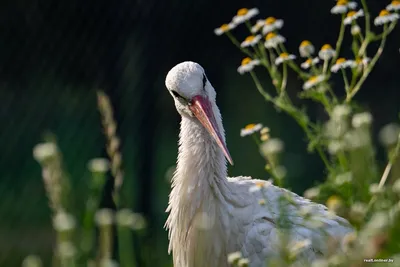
(320, 263)
(99, 165)
(258, 185)
(224, 28)
(352, 16)
(245, 14)
(394, 6)
(361, 119)
(272, 40)
(309, 62)
(375, 189)
(283, 57)
(272, 24)
(271, 146)
(362, 63)
(243, 262)
(355, 139)
(340, 112)
(343, 178)
(313, 81)
(355, 29)
(257, 26)
(139, 222)
(32, 261)
(385, 17)
(342, 6)
(66, 249)
(264, 130)
(250, 129)
(234, 257)
(335, 146)
(306, 49)
(63, 221)
(396, 186)
(312, 193)
(248, 65)
(44, 151)
(326, 52)
(348, 241)
(358, 211)
(104, 217)
(251, 40)
(261, 202)
(342, 63)
(389, 135)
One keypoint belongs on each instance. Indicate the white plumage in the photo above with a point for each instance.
(210, 215)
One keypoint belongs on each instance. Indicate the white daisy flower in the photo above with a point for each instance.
(63, 221)
(362, 63)
(314, 80)
(394, 6)
(342, 6)
(245, 14)
(248, 65)
(99, 165)
(256, 27)
(283, 57)
(224, 28)
(326, 52)
(251, 40)
(306, 49)
(309, 62)
(272, 24)
(250, 129)
(385, 17)
(258, 185)
(342, 63)
(352, 16)
(243, 262)
(272, 40)
(355, 29)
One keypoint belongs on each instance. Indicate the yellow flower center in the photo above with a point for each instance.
(340, 60)
(270, 36)
(384, 13)
(284, 55)
(242, 11)
(249, 38)
(395, 3)
(224, 27)
(309, 61)
(342, 3)
(251, 125)
(270, 20)
(326, 47)
(305, 43)
(313, 79)
(351, 13)
(333, 201)
(246, 61)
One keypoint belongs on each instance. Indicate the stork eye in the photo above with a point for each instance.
(175, 93)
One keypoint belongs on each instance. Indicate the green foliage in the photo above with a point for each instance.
(355, 187)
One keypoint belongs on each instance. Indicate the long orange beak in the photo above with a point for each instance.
(202, 109)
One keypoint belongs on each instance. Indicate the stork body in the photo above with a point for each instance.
(211, 215)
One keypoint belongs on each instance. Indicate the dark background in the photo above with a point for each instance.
(55, 54)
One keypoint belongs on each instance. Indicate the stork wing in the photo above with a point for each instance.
(263, 217)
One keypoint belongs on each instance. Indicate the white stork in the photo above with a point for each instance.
(211, 215)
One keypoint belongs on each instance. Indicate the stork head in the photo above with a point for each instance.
(195, 97)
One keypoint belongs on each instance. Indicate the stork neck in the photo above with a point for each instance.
(200, 159)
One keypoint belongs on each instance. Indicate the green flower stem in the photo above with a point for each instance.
(284, 80)
(367, 17)
(346, 81)
(387, 32)
(339, 42)
(325, 68)
(237, 44)
(357, 87)
(301, 122)
(294, 66)
(389, 166)
(255, 139)
(125, 246)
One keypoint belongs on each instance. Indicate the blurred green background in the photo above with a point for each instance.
(54, 55)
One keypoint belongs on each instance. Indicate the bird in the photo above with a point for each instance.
(211, 215)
